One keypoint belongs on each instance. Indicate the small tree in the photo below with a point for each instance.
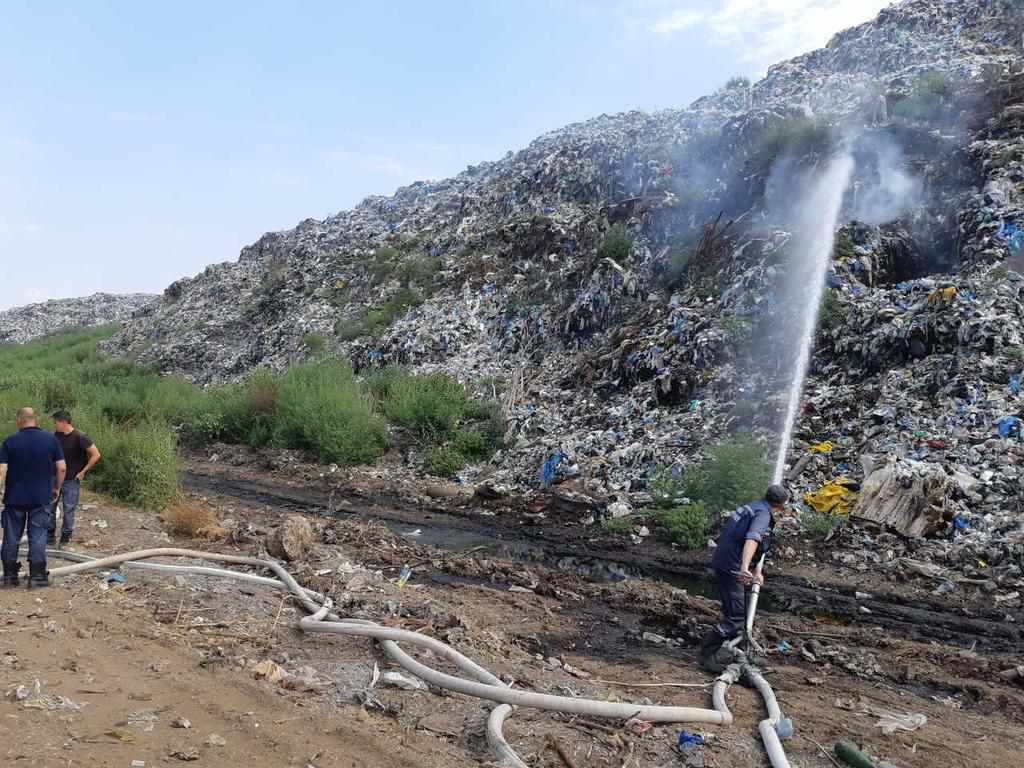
(688, 526)
(735, 472)
(616, 245)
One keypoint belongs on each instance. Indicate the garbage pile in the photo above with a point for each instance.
(617, 364)
(34, 321)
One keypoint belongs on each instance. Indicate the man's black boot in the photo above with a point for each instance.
(65, 538)
(38, 576)
(11, 573)
(51, 538)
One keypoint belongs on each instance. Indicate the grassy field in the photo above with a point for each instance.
(139, 418)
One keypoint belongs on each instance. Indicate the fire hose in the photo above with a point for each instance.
(484, 685)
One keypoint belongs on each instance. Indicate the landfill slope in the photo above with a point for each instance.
(33, 321)
(618, 364)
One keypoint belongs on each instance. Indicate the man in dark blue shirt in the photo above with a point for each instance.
(32, 464)
(745, 538)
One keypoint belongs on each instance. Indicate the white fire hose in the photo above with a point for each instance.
(484, 686)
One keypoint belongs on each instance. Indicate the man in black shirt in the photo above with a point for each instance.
(81, 455)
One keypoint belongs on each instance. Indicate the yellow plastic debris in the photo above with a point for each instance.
(942, 296)
(825, 446)
(339, 284)
(832, 498)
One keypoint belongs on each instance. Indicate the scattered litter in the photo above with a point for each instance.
(404, 575)
(216, 740)
(100, 524)
(181, 722)
(146, 719)
(398, 680)
(185, 755)
(690, 740)
(34, 698)
(852, 756)
(270, 671)
(891, 721)
(638, 727)
(834, 497)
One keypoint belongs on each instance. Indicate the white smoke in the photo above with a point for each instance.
(884, 190)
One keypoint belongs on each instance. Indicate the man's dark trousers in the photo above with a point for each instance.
(14, 521)
(734, 609)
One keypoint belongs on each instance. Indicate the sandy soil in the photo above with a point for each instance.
(141, 655)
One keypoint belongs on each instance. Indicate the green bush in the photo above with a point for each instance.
(678, 261)
(617, 526)
(443, 461)
(476, 444)
(687, 526)
(665, 488)
(379, 318)
(795, 135)
(616, 245)
(737, 330)
(431, 406)
(321, 408)
(379, 381)
(315, 344)
(831, 314)
(139, 465)
(382, 264)
(59, 393)
(927, 99)
(817, 524)
(735, 473)
(417, 270)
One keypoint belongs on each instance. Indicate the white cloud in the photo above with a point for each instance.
(766, 31)
(676, 21)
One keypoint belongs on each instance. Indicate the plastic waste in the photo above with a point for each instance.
(1008, 425)
(852, 756)
(403, 576)
(398, 680)
(835, 497)
(688, 741)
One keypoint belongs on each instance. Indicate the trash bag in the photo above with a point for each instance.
(835, 497)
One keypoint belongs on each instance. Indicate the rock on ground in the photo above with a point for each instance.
(291, 540)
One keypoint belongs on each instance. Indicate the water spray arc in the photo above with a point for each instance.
(818, 215)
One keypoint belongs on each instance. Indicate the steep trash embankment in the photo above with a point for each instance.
(629, 363)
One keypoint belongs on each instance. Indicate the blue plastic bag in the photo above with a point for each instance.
(1008, 425)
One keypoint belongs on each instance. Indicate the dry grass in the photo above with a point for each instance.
(194, 521)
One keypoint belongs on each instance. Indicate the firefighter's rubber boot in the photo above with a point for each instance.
(11, 573)
(38, 576)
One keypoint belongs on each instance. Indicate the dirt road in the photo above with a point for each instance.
(141, 655)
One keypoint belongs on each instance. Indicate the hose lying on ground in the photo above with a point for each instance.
(486, 686)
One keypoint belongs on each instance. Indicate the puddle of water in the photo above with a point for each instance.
(463, 541)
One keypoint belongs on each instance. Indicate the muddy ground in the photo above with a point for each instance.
(529, 597)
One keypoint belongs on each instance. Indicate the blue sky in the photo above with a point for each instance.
(140, 142)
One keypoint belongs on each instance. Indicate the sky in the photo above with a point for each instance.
(140, 142)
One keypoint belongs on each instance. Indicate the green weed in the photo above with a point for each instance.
(735, 473)
(687, 526)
